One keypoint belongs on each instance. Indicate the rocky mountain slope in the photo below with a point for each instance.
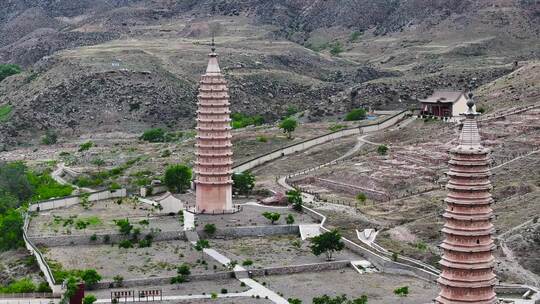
(127, 65)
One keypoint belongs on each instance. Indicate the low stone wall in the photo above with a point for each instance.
(75, 199)
(247, 231)
(300, 268)
(68, 240)
(230, 274)
(165, 280)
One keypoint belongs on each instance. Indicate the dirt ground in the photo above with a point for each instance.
(161, 259)
(274, 251)
(101, 216)
(251, 216)
(378, 287)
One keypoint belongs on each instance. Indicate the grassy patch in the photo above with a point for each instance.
(46, 187)
(5, 112)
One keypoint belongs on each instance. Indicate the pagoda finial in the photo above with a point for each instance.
(471, 111)
(213, 44)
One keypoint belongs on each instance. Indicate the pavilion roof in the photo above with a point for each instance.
(443, 96)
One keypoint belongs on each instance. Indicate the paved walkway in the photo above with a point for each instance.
(189, 221)
(309, 231)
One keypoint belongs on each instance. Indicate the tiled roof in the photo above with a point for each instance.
(443, 96)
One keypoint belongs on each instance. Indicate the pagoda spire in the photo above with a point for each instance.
(467, 264)
(213, 167)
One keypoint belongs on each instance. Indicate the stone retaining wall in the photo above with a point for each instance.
(67, 240)
(75, 199)
(247, 231)
(300, 268)
(165, 280)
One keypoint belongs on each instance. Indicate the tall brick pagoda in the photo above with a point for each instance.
(214, 148)
(467, 264)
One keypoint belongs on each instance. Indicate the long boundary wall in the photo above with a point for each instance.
(75, 199)
(259, 160)
(43, 266)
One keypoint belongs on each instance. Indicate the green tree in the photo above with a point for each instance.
(90, 277)
(201, 245)
(288, 125)
(178, 178)
(124, 226)
(11, 224)
(7, 70)
(89, 299)
(382, 149)
(243, 183)
(294, 197)
(356, 114)
(327, 243)
(294, 301)
(154, 135)
(272, 216)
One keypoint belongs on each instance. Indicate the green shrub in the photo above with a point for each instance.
(262, 139)
(361, 197)
(89, 299)
(45, 187)
(118, 280)
(382, 149)
(5, 112)
(49, 138)
(247, 263)
(183, 269)
(336, 48)
(21, 286)
(125, 244)
(336, 127)
(240, 120)
(354, 36)
(86, 146)
(153, 135)
(114, 186)
(93, 237)
(356, 114)
(7, 70)
(224, 290)
(402, 291)
(289, 219)
(44, 287)
(210, 229)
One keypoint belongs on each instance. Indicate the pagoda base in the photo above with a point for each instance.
(233, 210)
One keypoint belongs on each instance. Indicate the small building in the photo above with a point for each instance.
(444, 104)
